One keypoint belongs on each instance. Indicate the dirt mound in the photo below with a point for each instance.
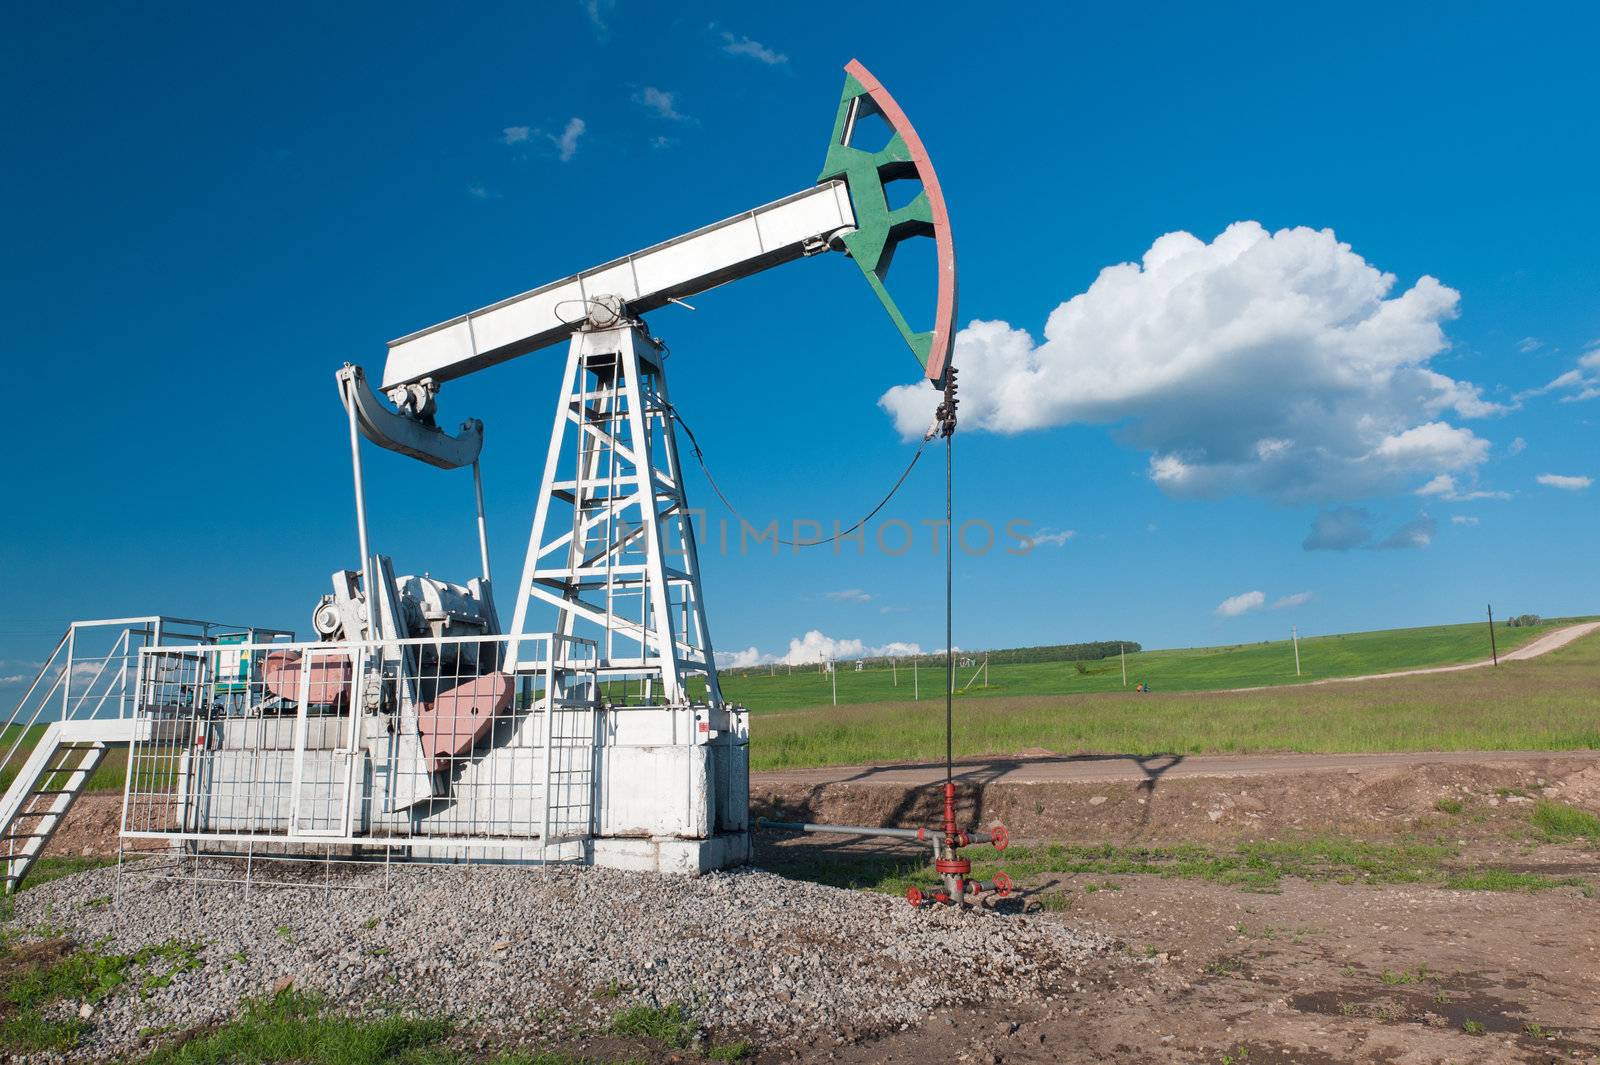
(1375, 802)
(1581, 789)
(90, 827)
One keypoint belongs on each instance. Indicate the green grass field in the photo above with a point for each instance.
(1179, 670)
(1547, 703)
(1054, 705)
(108, 776)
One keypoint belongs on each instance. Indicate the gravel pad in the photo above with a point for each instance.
(520, 949)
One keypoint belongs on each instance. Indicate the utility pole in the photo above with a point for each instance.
(1294, 634)
(894, 668)
(1123, 650)
(833, 670)
(916, 693)
(1493, 652)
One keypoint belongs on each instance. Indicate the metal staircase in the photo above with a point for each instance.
(58, 769)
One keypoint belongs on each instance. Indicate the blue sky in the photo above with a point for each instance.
(211, 209)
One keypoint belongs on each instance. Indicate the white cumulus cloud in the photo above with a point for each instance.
(750, 656)
(1289, 602)
(1445, 487)
(1276, 364)
(515, 134)
(1434, 445)
(1243, 603)
(816, 646)
(1463, 519)
(1569, 484)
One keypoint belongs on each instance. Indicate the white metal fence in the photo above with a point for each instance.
(89, 673)
(420, 743)
(75, 712)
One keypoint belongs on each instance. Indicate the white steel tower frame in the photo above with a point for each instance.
(612, 547)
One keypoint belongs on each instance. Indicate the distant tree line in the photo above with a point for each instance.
(1522, 621)
(1061, 652)
(1058, 652)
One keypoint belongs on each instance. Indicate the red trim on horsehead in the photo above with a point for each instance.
(944, 318)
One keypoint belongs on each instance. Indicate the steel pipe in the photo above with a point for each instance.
(920, 834)
(347, 393)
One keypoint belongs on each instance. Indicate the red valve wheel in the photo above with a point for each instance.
(1003, 884)
(999, 836)
(914, 896)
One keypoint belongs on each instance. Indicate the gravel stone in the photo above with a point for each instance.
(526, 950)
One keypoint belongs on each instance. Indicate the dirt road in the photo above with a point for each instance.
(1054, 769)
(1550, 641)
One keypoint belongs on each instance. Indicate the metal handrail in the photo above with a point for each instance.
(363, 645)
(120, 685)
(118, 650)
(44, 701)
(42, 671)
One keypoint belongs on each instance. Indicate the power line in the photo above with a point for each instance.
(699, 457)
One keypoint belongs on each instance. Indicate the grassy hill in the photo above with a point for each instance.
(1188, 669)
(1547, 703)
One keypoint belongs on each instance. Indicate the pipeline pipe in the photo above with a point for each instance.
(844, 830)
(483, 531)
(1001, 887)
(997, 835)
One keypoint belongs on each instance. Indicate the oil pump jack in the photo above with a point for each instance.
(416, 720)
(621, 562)
(614, 406)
